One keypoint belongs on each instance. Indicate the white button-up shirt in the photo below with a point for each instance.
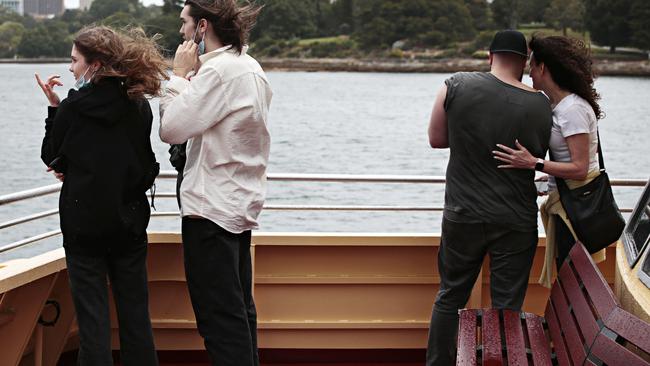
(222, 114)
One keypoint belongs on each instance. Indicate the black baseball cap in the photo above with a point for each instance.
(509, 41)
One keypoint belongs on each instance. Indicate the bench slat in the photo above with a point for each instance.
(585, 326)
(539, 347)
(491, 336)
(569, 327)
(630, 327)
(515, 342)
(588, 326)
(613, 353)
(559, 345)
(599, 291)
(466, 354)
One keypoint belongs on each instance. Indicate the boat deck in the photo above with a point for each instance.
(323, 298)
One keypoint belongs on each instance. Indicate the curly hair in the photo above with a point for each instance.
(128, 55)
(570, 64)
(232, 23)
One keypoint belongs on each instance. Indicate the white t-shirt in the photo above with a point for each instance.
(572, 116)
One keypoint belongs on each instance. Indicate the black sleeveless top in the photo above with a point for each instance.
(483, 111)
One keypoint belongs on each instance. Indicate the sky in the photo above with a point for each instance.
(75, 3)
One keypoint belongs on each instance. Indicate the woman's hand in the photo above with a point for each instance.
(187, 56)
(519, 158)
(48, 88)
(57, 175)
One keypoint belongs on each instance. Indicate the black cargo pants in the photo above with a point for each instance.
(460, 257)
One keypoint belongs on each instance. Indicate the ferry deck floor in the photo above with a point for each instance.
(290, 358)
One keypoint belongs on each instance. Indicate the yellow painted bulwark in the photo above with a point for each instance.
(312, 290)
(631, 292)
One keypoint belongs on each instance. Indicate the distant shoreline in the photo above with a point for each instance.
(602, 67)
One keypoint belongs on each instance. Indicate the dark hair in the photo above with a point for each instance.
(231, 22)
(129, 55)
(569, 62)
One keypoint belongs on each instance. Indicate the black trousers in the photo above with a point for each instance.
(219, 278)
(88, 282)
(460, 257)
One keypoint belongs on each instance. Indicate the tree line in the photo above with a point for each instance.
(368, 25)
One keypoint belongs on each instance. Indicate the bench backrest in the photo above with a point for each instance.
(624, 340)
(594, 326)
(580, 302)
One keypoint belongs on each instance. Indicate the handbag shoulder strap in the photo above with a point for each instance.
(601, 160)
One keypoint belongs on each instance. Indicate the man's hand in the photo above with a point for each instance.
(58, 176)
(187, 56)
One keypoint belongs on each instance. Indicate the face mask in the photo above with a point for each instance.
(202, 43)
(81, 82)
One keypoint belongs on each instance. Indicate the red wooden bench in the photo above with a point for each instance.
(583, 325)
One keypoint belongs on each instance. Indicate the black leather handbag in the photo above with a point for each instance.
(592, 210)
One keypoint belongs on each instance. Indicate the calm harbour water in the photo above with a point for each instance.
(321, 122)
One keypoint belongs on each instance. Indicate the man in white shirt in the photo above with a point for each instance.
(221, 111)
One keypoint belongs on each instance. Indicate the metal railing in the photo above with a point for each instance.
(335, 178)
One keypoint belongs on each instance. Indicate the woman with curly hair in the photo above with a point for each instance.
(562, 68)
(97, 142)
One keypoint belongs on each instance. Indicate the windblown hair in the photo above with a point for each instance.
(232, 23)
(569, 62)
(128, 55)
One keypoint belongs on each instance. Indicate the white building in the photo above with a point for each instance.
(43, 8)
(14, 5)
(85, 4)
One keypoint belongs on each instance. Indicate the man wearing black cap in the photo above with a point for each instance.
(487, 210)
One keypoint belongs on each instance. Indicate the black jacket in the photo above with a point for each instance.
(100, 140)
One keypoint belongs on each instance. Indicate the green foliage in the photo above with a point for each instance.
(509, 14)
(640, 24)
(168, 26)
(483, 40)
(334, 49)
(173, 7)
(119, 20)
(607, 22)
(343, 16)
(102, 9)
(480, 13)
(76, 19)
(11, 33)
(287, 19)
(427, 23)
(48, 39)
(325, 47)
(505, 13)
(7, 15)
(564, 14)
(529, 32)
(532, 11)
(352, 28)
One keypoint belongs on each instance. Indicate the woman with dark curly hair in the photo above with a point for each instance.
(97, 142)
(562, 68)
